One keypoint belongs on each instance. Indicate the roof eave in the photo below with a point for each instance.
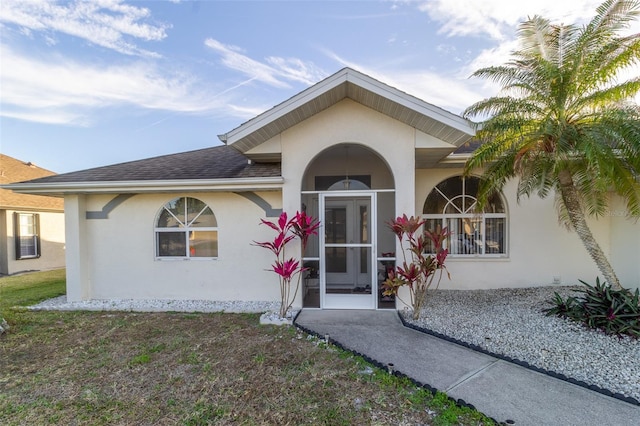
(344, 77)
(455, 159)
(31, 209)
(155, 186)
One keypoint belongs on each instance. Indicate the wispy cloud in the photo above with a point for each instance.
(442, 90)
(498, 18)
(57, 90)
(107, 23)
(275, 71)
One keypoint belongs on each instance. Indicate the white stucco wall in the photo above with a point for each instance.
(625, 245)
(52, 243)
(349, 122)
(115, 257)
(539, 249)
(119, 253)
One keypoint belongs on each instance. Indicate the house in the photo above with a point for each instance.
(349, 150)
(31, 226)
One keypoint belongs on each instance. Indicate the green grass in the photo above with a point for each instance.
(104, 368)
(29, 289)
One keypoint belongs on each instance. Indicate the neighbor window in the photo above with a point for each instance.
(453, 204)
(186, 228)
(27, 235)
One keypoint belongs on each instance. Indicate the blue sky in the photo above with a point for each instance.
(86, 84)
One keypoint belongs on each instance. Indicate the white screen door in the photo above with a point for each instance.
(347, 252)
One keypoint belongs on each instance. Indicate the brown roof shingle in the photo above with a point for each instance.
(219, 162)
(13, 170)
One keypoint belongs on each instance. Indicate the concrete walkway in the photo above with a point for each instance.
(497, 388)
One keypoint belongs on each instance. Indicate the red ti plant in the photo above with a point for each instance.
(288, 269)
(419, 269)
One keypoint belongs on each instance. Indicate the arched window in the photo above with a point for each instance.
(452, 203)
(186, 228)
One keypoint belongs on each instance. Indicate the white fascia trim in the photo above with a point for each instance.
(28, 209)
(280, 110)
(243, 184)
(355, 77)
(413, 103)
(455, 159)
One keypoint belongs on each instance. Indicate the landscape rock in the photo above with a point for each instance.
(510, 323)
(3, 325)
(274, 318)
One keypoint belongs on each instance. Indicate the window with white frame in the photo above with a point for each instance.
(27, 235)
(453, 204)
(186, 228)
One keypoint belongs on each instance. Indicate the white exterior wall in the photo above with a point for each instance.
(349, 122)
(625, 245)
(539, 249)
(115, 257)
(52, 245)
(78, 256)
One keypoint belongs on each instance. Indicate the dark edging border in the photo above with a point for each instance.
(378, 364)
(524, 364)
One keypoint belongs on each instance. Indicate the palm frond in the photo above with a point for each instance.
(554, 113)
(612, 16)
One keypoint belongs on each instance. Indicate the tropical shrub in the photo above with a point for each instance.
(289, 269)
(419, 269)
(601, 307)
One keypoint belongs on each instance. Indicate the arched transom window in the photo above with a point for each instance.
(452, 203)
(186, 228)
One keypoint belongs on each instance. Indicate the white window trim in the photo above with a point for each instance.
(35, 236)
(186, 229)
(443, 217)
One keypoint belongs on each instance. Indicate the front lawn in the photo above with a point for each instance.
(191, 369)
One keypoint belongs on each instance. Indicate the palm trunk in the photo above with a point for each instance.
(571, 202)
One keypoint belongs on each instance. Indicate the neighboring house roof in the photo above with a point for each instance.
(348, 83)
(201, 169)
(13, 170)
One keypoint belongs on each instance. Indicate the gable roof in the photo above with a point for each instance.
(229, 167)
(200, 169)
(348, 83)
(13, 170)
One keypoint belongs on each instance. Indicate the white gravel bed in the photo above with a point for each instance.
(509, 322)
(155, 305)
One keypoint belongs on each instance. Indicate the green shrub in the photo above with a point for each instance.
(601, 307)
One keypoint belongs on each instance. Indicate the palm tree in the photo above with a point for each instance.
(563, 122)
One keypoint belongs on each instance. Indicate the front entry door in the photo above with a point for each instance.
(347, 245)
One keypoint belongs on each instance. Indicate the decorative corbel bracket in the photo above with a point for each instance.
(269, 211)
(108, 208)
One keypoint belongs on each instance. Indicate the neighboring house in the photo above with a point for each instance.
(349, 150)
(31, 226)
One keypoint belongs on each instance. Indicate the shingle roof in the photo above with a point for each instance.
(13, 170)
(220, 162)
(468, 147)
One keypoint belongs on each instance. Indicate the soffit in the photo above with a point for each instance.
(445, 157)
